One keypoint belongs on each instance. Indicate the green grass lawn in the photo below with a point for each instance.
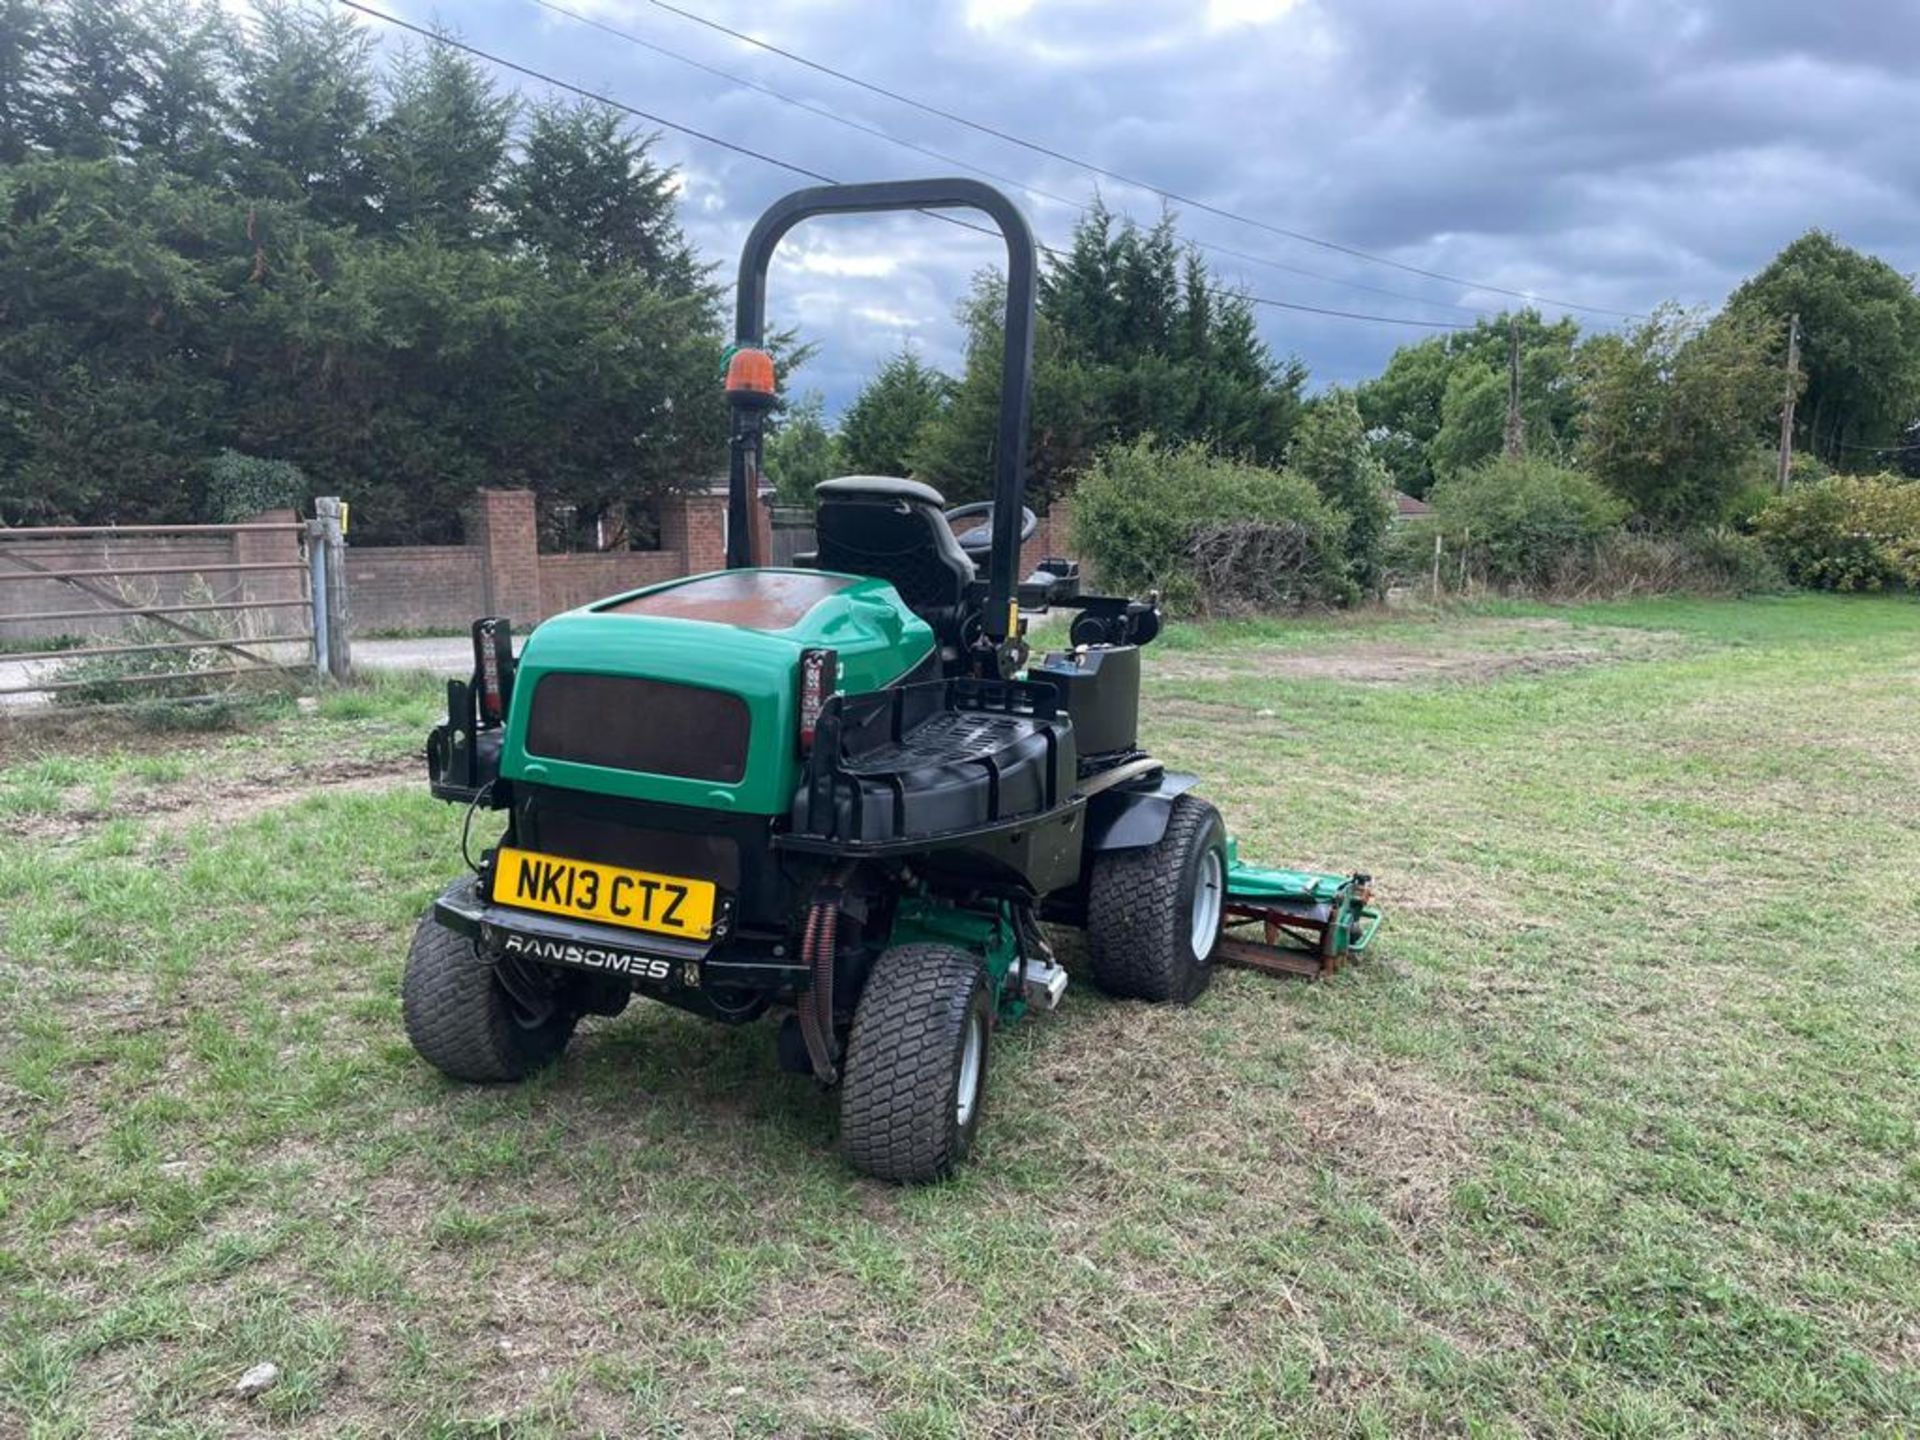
(1616, 1132)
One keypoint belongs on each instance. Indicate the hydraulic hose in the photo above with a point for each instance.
(809, 1018)
(820, 993)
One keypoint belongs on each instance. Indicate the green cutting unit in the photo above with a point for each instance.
(844, 795)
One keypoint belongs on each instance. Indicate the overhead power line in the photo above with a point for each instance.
(707, 137)
(1118, 176)
(748, 83)
(1878, 449)
(441, 38)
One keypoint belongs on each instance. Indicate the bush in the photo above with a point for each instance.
(1760, 483)
(1254, 565)
(239, 487)
(1719, 561)
(1851, 532)
(1525, 522)
(1737, 562)
(1147, 517)
(1332, 451)
(156, 676)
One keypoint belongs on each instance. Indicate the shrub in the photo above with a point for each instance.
(1760, 483)
(1407, 556)
(1252, 565)
(1718, 561)
(1333, 452)
(1524, 522)
(1151, 517)
(241, 486)
(1851, 532)
(155, 676)
(1737, 561)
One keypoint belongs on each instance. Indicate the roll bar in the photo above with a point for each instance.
(1016, 373)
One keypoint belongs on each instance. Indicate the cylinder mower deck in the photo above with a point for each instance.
(1308, 923)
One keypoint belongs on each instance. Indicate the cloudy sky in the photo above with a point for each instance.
(1611, 155)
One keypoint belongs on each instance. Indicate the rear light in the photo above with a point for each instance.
(819, 676)
(493, 668)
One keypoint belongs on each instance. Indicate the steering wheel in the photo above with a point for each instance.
(973, 527)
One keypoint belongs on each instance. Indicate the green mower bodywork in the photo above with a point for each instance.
(876, 638)
(842, 794)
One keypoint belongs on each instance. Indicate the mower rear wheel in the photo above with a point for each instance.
(462, 1020)
(1153, 914)
(916, 1065)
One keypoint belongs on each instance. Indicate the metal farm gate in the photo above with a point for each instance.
(186, 613)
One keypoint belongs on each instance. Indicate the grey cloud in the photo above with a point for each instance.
(1618, 153)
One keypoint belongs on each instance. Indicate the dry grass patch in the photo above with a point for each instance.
(1613, 1134)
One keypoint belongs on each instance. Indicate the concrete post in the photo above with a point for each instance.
(331, 515)
(317, 592)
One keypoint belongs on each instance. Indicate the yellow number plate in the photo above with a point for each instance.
(637, 899)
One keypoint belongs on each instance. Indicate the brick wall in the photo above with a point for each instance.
(502, 526)
(415, 587)
(696, 527)
(418, 587)
(569, 581)
(500, 570)
(281, 547)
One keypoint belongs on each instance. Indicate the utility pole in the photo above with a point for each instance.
(1786, 406)
(1516, 439)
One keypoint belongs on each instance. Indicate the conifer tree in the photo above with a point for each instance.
(585, 192)
(303, 108)
(881, 428)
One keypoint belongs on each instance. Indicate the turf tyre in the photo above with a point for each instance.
(1143, 941)
(904, 1115)
(462, 1021)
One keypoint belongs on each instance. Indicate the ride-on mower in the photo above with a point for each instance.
(843, 793)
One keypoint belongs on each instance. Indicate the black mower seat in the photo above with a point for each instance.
(892, 530)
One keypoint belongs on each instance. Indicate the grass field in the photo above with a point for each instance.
(1615, 1134)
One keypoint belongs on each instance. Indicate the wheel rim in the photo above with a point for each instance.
(967, 1092)
(1207, 896)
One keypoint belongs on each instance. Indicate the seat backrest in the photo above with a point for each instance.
(892, 530)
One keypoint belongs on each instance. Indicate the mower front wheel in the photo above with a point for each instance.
(462, 1020)
(1153, 913)
(916, 1064)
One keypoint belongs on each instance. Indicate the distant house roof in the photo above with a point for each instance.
(1406, 507)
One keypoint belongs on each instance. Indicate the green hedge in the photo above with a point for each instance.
(1850, 532)
(1524, 523)
(1150, 517)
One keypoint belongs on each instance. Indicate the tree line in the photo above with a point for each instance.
(1674, 414)
(254, 241)
(1669, 407)
(244, 260)
(1134, 336)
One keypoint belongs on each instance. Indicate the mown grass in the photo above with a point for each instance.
(1615, 1134)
